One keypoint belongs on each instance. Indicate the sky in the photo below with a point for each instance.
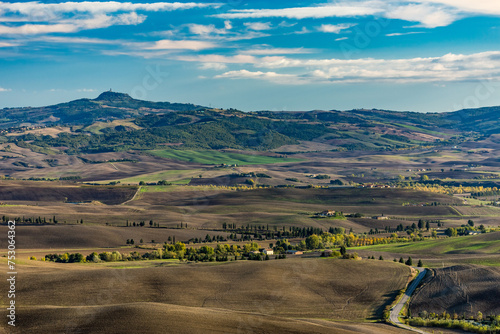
(420, 55)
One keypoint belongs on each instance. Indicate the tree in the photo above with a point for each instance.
(381, 258)
(424, 178)
(434, 234)
(343, 250)
(451, 232)
(420, 264)
(142, 183)
(312, 241)
(409, 262)
(401, 260)
(470, 222)
(142, 241)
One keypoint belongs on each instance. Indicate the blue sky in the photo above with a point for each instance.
(421, 55)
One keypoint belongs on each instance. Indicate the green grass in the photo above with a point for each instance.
(172, 176)
(217, 158)
(174, 187)
(458, 245)
(414, 128)
(98, 126)
(485, 262)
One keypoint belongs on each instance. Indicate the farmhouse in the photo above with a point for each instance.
(380, 217)
(326, 213)
(327, 253)
(266, 251)
(294, 252)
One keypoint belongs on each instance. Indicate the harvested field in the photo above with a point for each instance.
(478, 210)
(84, 236)
(293, 288)
(462, 289)
(147, 318)
(72, 194)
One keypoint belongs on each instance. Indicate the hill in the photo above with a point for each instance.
(152, 125)
(286, 295)
(464, 289)
(107, 106)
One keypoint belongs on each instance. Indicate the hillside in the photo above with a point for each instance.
(117, 122)
(292, 295)
(463, 289)
(107, 106)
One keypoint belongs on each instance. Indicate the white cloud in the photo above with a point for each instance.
(334, 28)
(337, 10)
(213, 66)
(8, 44)
(427, 13)
(37, 9)
(341, 39)
(447, 68)
(86, 90)
(237, 59)
(276, 51)
(404, 33)
(270, 76)
(73, 40)
(200, 29)
(69, 17)
(228, 25)
(258, 25)
(37, 29)
(427, 16)
(70, 25)
(5, 89)
(488, 7)
(168, 44)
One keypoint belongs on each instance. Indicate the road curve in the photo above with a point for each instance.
(394, 315)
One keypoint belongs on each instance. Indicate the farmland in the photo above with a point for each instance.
(168, 213)
(464, 289)
(286, 289)
(219, 158)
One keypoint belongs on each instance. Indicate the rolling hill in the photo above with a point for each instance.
(117, 122)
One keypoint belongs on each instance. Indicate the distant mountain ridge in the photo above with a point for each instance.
(115, 122)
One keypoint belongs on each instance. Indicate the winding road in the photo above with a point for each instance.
(394, 317)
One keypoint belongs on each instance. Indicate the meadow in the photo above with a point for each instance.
(219, 157)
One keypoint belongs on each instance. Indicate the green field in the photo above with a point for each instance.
(477, 244)
(217, 158)
(422, 130)
(172, 176)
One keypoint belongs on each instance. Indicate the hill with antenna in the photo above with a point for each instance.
(108, 106)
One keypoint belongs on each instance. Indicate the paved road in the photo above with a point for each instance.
(394, 317)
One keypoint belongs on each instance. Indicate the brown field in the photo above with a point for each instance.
(461, 289)
(87, 236)
(49, 131)
(147, 318)
(260, 294)
(208, 208)
(32, 192)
